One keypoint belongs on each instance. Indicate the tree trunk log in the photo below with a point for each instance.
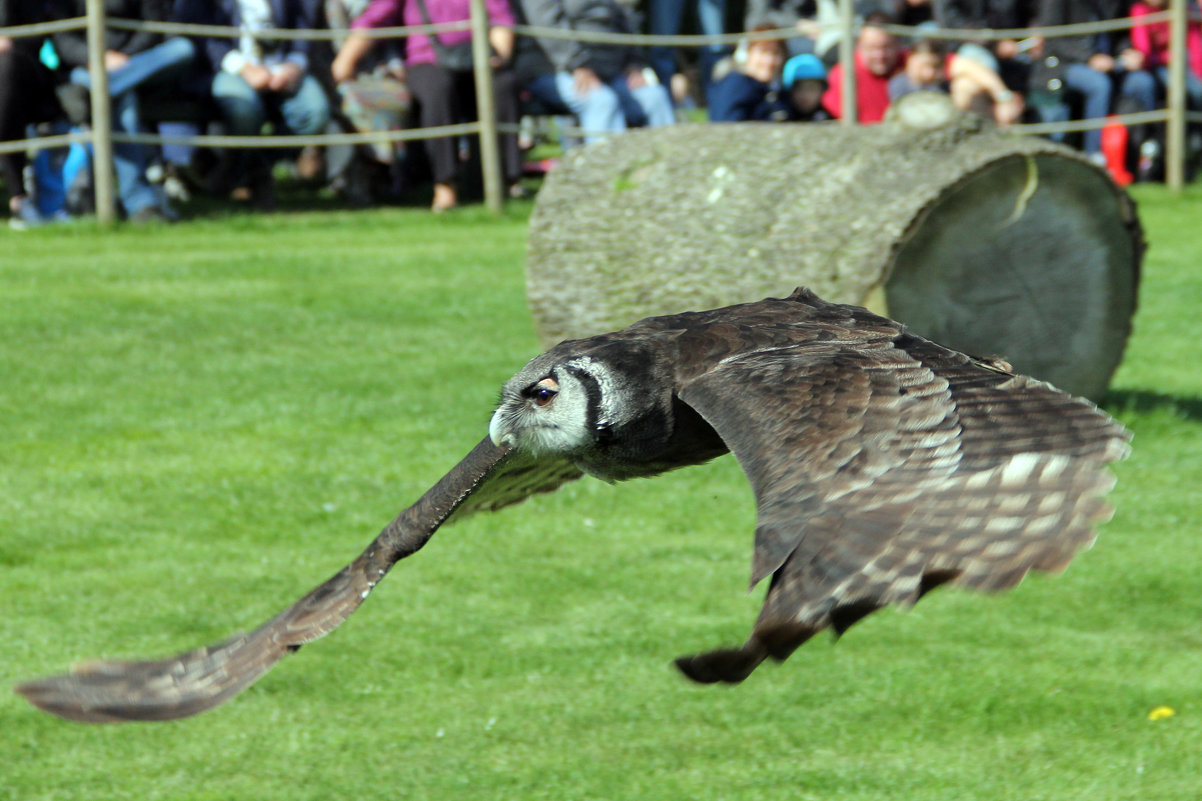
(994, 244)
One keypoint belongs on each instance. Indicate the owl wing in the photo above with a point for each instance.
(106, 691)
(884, 465)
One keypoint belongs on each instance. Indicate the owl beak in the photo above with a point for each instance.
(498, 431)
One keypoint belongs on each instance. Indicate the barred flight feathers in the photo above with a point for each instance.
(107, 691)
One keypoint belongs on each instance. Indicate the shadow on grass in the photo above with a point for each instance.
(1144, 401)
(299, 195)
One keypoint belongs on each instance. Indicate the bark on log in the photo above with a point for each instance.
(995, 244)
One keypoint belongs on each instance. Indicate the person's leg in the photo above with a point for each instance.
(656, 102)
(664, 17)
(433, 88)
(1140, 88)
(156, 65)
(129, 160)
(1193, 86)
(647, 105)
(1096, 88)
(243, 111)
(13, 121)
(307, 110)
(505, 101)
(241, 107)
(599, 110)
(26, 96)
(711, 15)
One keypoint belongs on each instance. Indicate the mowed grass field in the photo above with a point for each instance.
(199, 423)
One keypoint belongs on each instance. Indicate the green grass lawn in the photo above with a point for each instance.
(199, 423)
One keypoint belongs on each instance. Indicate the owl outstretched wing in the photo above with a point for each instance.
(488, 478)
(884, 465)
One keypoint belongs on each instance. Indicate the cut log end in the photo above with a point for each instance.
(995, 244)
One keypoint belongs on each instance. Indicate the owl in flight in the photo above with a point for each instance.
(883, 465)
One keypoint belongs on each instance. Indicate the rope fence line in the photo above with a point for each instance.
(46, 142)
(1074, 126)
(483, 126)
(266, 141)
(598, 37)
(282, 34)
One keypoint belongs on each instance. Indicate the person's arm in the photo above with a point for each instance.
(72, 46)
(500, 31)
(148, 11)
(297, 17)
(349, 55)
(563, 55)
(502, 41)
(1008, 106)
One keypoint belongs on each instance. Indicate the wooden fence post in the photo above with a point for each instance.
(486, 110)
(1175, 140)
(102, 119)
(847, 61)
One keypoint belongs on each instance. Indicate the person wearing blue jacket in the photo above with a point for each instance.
(751, 91)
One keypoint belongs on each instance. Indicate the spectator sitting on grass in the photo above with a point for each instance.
(256, 78)
(609, 87)
(26, 97)
(134, 61)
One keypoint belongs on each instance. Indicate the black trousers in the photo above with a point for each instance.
(446, 97)
(26, 96)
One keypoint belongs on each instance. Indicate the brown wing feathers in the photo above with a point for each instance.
(105, 691)
(911, 466)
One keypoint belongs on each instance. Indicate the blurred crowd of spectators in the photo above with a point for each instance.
(357, 82)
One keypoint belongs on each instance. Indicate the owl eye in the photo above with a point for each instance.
(543, 392)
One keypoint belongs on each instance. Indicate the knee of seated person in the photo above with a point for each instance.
(309, 112)
(181, 48)
(313, 120)
(243, 116)
(603, 99)
(656, 104)
(1138, 81)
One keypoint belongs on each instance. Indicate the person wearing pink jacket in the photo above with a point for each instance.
(442, 84)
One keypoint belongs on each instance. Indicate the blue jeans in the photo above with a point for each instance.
(609, 107)
(159, 64)
(306, 111)
(1096, 88)
(665, 16)
(1144, 89)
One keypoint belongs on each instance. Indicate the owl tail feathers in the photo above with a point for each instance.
(730, 665)
(733, 665)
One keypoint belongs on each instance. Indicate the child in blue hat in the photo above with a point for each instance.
(804, 80)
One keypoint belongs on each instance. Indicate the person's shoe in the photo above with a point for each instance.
(262, 191)
(151, 214)
(518, 191)
(25, 216)
(76, 102)
(311, 163)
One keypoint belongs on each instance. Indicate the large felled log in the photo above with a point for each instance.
(994, 244)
